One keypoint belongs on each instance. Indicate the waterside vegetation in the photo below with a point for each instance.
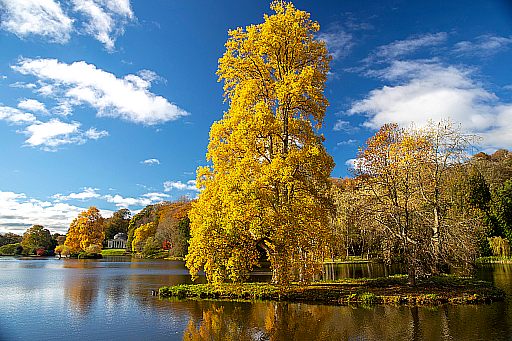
(384, 290)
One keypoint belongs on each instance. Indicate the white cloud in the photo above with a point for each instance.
(339, 42)
(87, 193)
(346, 142)
(423, 91)
(144, 200)
(94, 134)
(151, 162)
(341, 125)
(128, 98)
(123, 202)
(54, 133)
(106, 19)
(64, 108)
(36, 17)
(15, 116)
(485, 45)
(150, 76)
(156, 197)
(23, 85)
(45, 89)
(500, 134)
(190, 185)
(117, 199)
(17, 212)
(32, 105)
(351, 163)
(410, 45)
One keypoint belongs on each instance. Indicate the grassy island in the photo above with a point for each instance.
(388, 290)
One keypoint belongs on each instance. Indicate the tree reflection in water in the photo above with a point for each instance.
(262, 321)
(81, 286)
(290, 321)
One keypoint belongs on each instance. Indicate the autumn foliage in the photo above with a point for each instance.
(84, 230)
(411, 203)
(269, 176)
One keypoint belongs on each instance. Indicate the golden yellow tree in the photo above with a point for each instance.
(141, 234)
(84, 230)
(269, 174)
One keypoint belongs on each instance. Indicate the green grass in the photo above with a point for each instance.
(349, 259)
(367, 292)
(494, 259)
(226, 291)
(175, 258)
(114, 252)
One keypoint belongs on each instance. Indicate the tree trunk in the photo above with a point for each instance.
(436, 241)
(411, 273)
(280, 265)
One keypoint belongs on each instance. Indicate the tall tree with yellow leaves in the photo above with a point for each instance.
(85, 230)
(269, 176)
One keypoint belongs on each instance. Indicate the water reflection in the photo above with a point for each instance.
(333, 271)
(81, 286)
(82, 300)
(282, 321)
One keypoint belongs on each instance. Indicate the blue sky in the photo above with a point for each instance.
(109, 102)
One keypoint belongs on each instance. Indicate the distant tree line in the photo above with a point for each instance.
(158, 230)
(36, 240)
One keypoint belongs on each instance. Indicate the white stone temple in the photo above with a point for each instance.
(119, 241)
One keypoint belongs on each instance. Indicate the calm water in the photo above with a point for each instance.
(111, 300)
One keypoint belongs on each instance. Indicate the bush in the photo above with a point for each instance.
(151, 248)
(87, 255)
(62, 250)
(41, 252)
(368, 298)
(93, 248)
(11, 249)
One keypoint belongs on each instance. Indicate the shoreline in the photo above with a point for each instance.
(385, 290)
(493, 260)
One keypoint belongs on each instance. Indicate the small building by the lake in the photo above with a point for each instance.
(119, 241)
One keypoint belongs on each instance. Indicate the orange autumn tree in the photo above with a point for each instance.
(269, 176)
(85, 230)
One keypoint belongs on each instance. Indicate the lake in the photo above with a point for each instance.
(49, 299)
